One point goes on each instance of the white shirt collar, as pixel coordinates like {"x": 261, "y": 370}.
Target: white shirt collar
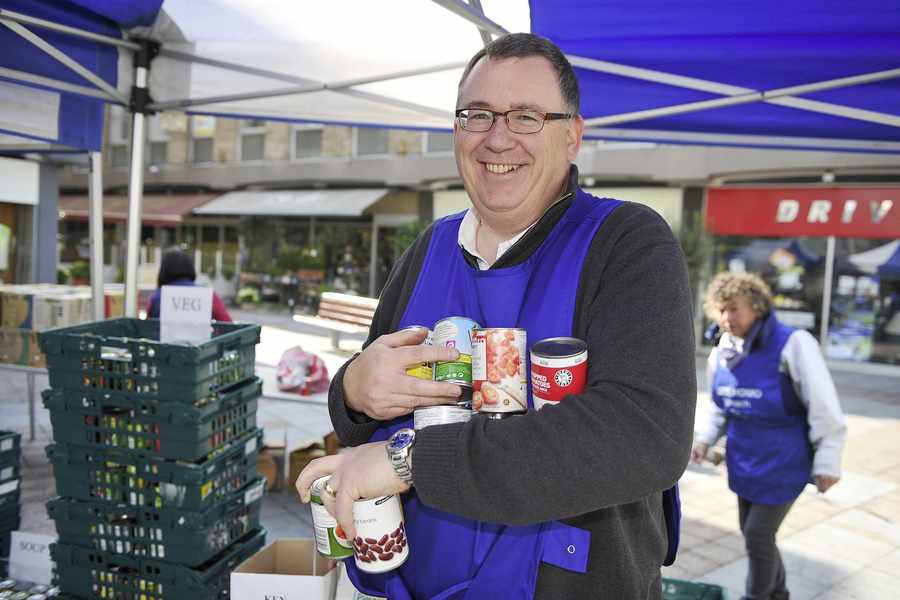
{"x": 468, "y": 231}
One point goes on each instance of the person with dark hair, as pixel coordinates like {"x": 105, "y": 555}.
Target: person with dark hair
{"x": 177, "y": 268}
{"x": 775, "y": 401}
{"x": 575, "y": 500}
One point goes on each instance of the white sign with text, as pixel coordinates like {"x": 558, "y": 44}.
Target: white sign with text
{"x": 185, "y": 313}
{"x": 29, "y": 557}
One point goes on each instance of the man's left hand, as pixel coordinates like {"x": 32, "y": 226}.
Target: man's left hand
{"x": 824, "y": 482}
{"x": 359, "y": 473}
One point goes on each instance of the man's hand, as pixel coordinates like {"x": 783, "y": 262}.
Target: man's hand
{"x": 376, "y": 383}
{"x": 824, "y": 482}
{"x": 698, "y": 452}
{"x": 359, "y": 473}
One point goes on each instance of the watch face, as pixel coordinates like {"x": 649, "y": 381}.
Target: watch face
{"x": 401, "y": 439}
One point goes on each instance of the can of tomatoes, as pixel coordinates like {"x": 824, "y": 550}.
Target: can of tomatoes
{"x": 499, "y": 385}
{"x": 380, "y": 544}
{"x": 456, "y": 332}
{"x": 423, "y": 370}
{"x": 558, "y": 368}
{"x": 331, "y": 541}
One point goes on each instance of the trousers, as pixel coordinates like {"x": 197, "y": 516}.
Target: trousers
{"x": 766, "y": 578}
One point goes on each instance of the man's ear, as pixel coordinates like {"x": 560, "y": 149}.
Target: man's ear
{"x": 573, "y": 136}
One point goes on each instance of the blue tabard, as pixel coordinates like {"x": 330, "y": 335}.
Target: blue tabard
{"x": 452, "y": 557}
{"x": 768, "y": 452}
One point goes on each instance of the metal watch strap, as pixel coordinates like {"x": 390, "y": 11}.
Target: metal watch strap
{"x": 399, "y": 460}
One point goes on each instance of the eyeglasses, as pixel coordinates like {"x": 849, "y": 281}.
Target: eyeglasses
{"x": 518, "y": 121}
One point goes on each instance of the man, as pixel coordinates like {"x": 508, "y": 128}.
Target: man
{"x": 562, "y": 503}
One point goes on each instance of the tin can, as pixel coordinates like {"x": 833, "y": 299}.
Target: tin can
{"x": 38, "y": 596}
{"x": 4, "y": 594}
{"x": 440, "y": 415}
{"x": 39, "y": 588}
{"x": 330, "y": 538}
{"x": 499, "y": 384}
{"x": 455, "y": 332}
{"x": 7, "y": 584}
{"x": 423, "y": 370}
{"x": 19, "y": 596}
{"x": 380, "y": 543}
{"x": 53, "y": 591}
{"x": 558, "y": 368}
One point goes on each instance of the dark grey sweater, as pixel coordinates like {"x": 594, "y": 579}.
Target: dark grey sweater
{"x": 599, "y": 461}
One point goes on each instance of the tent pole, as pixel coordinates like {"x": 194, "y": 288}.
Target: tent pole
{"x": 485, "y": 34}
{"x": 826, "y": 288}
{"x": 470, "y": 14}
{"x": 16, "y": 17}
{"x": 95, "y": 215}
{"x": 139, "y": 101}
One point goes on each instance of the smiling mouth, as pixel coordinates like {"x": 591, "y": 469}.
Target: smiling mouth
{"x": 500, "y": 169}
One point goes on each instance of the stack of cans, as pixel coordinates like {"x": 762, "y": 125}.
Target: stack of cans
{"x": 154, "y": 459}
{"x": 10, "y": 508}
{"x": 12, "y": 589}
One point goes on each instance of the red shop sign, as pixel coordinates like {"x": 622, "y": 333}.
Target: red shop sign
{"x": 820, "y": 211}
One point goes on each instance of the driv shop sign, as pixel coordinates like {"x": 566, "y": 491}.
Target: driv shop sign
{"x": 813, "y": 211}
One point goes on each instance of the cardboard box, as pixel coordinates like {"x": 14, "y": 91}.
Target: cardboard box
{"x": 299, "y": 460}
{"x": 265, "y": 466}
{"x": 332, "y": 444}
{"x": 287, "y": 569}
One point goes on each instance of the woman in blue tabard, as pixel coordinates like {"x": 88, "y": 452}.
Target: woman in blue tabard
{"x": 775, "y": 401}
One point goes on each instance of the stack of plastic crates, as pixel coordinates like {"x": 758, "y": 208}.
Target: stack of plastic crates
{"x": 154, "y": 459}
{"x": 10, "y": 459}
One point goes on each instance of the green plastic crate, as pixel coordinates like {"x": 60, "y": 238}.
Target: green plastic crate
{"x": 677, "y": 589}
{"x": 121, "y": 477}
{"x": 11, "y": 496}
{"x": 10, "y": 445}
{"x": 126, "y": 356}
{"x": 168, "y": 534}
{"x": 167, "y": 429}
{"x": 87, "y": 573}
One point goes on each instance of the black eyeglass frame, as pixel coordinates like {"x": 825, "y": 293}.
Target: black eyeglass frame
{"x": 549, "y": 116}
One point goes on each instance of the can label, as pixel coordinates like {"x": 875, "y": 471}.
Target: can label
{"x": 440, "y": 415}
{"x": 380, "y": 544}
{"x": 498, "y": 371}
{"x": 455, "y": 332}
{"x": 423, "y": 370}
{"x": 331, "y": 541}
{"x": 557, "y": 371}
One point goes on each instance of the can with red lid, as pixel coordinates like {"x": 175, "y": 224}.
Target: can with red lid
{"x": 558, "y": 369}
{"x": 499, "y": 385}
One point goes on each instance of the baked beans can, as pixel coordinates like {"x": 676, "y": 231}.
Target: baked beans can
{"x": 423, "y": 370}
{"x": 499, "y": 384}
{"x": 440, "y": 415}
{"x": 558, "y": 369}
{"x": 380, "y": 544}
{"x": 331, "y": 541}
{"x": 456, "y": 332}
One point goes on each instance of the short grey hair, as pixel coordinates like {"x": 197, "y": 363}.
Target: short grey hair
{"x": 524, "y": 45}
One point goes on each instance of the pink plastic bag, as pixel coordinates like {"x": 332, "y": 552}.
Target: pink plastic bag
{"x": 302, "y": 372}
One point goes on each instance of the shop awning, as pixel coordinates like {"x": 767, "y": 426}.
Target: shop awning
{"x": 157, "y": 209}
{"x": 293, "y": 203}
{"x": 878, "y": 260}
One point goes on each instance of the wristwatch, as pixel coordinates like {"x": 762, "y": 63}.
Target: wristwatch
{"x": 398, "y": 448}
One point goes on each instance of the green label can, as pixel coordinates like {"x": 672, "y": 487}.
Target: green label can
{"x": 455, "y": 332}
{"x": 331, "y": 541}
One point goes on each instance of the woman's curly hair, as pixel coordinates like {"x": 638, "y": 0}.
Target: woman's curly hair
{"x": 727, "y": 287}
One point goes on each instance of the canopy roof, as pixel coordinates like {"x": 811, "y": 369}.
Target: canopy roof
{"x": 156, "y": 209}
{"x": 646, "y": 69}
{"x": 294, "y": 203}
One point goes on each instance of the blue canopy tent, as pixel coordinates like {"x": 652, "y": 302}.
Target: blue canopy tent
{"x": 890, "y": 269}
{"x": 799, "y": 74}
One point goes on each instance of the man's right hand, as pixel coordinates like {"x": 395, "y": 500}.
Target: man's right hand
{"x": 698, "y": 452}
{"x": 376, "y": 383}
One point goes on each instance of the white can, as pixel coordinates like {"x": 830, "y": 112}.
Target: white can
{"x": 440, "y": 415}
{"x": 380, "y": 544}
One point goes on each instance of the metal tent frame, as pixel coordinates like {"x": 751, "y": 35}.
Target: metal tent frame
{"x": 140, "y": 106}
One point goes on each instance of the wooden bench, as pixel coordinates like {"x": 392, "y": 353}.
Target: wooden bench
{"x": 342, "y": 313}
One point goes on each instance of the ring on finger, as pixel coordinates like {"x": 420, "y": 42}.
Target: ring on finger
{"x": 329, "y": 490}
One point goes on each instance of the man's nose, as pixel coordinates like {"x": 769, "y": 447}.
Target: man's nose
{"x": 499, "y": 137}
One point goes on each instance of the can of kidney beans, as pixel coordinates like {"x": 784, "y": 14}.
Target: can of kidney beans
{"x": 423, "y": 370}
{"x": 558, "y": 368}
{"x": 440, "y": 415}
{"x": 330, "y": 538}
{"x": 380, "y": 544}
{"x": 456, "y": 332}
{"x": 499, "y": 385}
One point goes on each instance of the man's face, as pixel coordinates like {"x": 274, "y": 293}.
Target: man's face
{"x": 505, "y": 171}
